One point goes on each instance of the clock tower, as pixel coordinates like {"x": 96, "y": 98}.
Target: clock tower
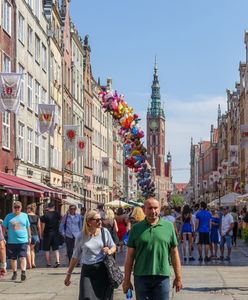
{"x": 155, "y": 121}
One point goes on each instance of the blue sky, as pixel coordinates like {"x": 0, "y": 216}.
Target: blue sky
{"x": 198, "y": 45}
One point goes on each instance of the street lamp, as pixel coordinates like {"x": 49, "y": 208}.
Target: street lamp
{"x": 219, "y": 184}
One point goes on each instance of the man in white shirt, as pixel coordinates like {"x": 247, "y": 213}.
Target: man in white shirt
{"x": 227, "y": 224}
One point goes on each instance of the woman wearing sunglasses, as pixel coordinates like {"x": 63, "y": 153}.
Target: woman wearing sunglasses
{"x": 89, "y": 249}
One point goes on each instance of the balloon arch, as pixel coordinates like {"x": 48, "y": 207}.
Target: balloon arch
{"x": 131, "y": 133}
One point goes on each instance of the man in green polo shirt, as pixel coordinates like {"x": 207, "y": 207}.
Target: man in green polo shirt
{"x": 150, "y": 244}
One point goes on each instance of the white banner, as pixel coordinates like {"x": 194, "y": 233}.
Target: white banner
{"x": 216, "y": 176}
{"x": 81, "y": 145}
{"x": 233, "y": 155}
{"x": 10, "y": 92}
{"x": 105, "y": 163}
{"x": 70, "y": 136}
{"x": 46, "y": 113}
{"x": 204, "y": 184}
{"x": 244, "y": 136}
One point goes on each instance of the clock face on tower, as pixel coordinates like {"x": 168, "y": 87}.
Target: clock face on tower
{"x": 153, "y": 125}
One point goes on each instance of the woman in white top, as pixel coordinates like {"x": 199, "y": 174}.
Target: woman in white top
{"x": 89, "y": 248}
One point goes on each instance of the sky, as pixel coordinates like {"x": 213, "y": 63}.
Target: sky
{"x": 198, "y": 45}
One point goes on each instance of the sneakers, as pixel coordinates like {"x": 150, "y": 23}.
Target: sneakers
{"x": 191, "y": 258}
{"x": 23, "y": 276}
{"x": 56, "y": 265}
{"x": 200, "y": 258}
{"x": 221, "y": 257}
{"x": 185, "y": 259}
{"x": 228, "y": 258}
{"x": 14, "y": 276}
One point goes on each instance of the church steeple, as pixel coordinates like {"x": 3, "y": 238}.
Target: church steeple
{"x": 155, "y": 109}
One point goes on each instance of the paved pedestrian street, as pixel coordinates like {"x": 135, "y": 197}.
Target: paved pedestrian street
{"x": 211, "y": 281}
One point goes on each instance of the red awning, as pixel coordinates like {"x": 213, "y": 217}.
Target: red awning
{"x": 17, "y": 185}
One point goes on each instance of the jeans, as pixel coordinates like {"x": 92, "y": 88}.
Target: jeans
{"x": 70, "y": 242}
{"x": 152, "y": 287}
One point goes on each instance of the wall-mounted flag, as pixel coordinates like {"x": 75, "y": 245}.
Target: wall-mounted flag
{"x": 46, "y": 114}
{"x": 70, "y": 136}
{"x": 10, "y": 92}
{"x": 81, "y": 145}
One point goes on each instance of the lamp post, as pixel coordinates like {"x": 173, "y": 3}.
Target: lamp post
{"x": 219, "y": 184}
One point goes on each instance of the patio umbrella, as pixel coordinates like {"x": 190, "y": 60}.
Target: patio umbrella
{"x": 117, "y": 203}
{"x": 135, "y": 203}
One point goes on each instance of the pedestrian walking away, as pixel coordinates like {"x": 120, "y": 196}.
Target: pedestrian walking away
{"x": 227, "y": 225}
{"x": 51, "y": 239}
{"x": 90, "y": 249}
{"x": 152, "y": 238}
{"x": 203, "y": 218}
{"x": 17, "y": 226}
{"x": 70, "y": 226}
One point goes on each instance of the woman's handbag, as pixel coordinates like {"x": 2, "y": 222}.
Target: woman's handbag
{"x": 114, "y": 272}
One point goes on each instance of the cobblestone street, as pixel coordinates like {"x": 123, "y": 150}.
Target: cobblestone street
{"x": 214, "y": 281}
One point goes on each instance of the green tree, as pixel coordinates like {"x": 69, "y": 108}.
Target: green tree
{"x": 176, "y": 200}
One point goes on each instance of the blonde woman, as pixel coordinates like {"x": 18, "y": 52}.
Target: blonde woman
{"x": 89, "y": 248}
{"x": 35, "y": 227}
{"x": 137, "y": 215}
{"x": 110, "y": 223}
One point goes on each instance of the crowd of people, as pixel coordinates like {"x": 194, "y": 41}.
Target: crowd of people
{"x": 148, "y": 231}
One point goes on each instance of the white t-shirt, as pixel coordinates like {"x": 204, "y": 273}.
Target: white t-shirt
{"x": 170, "y": 219}
{"x": 226, "y": 221}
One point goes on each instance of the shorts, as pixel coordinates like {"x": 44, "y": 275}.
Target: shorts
{"x": 34, "y": 239}
{"x": 51, "y": 240}
{"x": 204, "y": 238}
{"x": 17, "y": 250}
{"x": 226, "y": 239}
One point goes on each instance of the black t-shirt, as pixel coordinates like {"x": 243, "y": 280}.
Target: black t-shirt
{"x": 51, "y": 221}
{"x": 33, "y": 219}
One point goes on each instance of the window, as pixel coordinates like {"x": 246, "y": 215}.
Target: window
{"x": 30, "y": 90}
{"x": 21, "y": 71}
{"x": 21, "y": 34}
{"x": 30, "y": 3}
{"x": 21, "y": 141}
{"x": 43, "y": 95}
{"x": 30, "y": 39}
{"x": 37, "y": 95}
{"x": 29, "y": 144}
{"x": 6, "y": 64}
{"x": 6, "y": 18}
{"x": 37, "y": 149}
{"x": 43, "y": 152}
{"x": 37, "y": 8}
{"x": 43, "y": 57}
{"x": 37, "y": 48}
{"x": 6, "y": 130}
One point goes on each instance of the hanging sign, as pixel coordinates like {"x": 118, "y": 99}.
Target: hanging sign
{"x": 46, "y": 113}
{"x": 81, "y": 145}
{"x": 70, "y": 136}
{"x": 10, "y": 84}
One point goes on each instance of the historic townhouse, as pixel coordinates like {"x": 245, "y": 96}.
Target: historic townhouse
{"x": 100, "y": 148}
{"x": 55, "y": 89}
{"x": 78, "y": 106}
{"x": 88, "y": 129}
{"x": 32, "y": 61}
{"x": 68, "y": 163}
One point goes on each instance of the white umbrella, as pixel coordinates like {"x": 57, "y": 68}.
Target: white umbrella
{"x": 117, "y": 203}
{"x": 228, "y": 199}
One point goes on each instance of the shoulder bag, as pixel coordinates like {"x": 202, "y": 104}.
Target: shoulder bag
{"x": 114, "y": 272}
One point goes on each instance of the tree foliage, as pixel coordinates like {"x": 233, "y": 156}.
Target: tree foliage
{"x": 176, "y": 200}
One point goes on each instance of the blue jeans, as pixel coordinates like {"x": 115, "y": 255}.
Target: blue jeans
{"x": 152, "y": 287}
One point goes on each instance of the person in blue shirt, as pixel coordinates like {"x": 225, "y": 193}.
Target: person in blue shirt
{"x": 70, "y": 227}
{"x": 19, "y": 236}
{"x": 203, "y": 218}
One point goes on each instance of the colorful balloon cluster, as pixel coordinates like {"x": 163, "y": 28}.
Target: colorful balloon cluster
{"x": 131, "y": 134}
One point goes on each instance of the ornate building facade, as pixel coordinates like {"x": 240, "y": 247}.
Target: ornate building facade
{"x": 156, "y": 142}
